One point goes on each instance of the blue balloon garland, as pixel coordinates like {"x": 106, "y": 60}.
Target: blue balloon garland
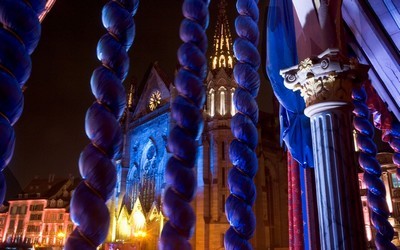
{"x": 372, "y": 171}
{"x": 19, "y": 37}
{"x": 243, "y": 125}
{"x": 88, "y": 209}
{"x": 186, "y": 111}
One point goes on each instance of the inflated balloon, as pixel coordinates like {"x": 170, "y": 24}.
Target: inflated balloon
{"x": 376, "y": 195}
{"x": 387, "y": 123}
{"x": 243, "y": 125}
{"x": 186, "y": 111}
{"x": 19, "y": 36}
{"x": 88, "y": 209}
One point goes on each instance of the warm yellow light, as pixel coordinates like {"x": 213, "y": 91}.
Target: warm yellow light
{"x": 139, "y": 220}
{"x": 140, "y": 234}
{"x": 61, "y": 235}
{"x": 124, "y": 228}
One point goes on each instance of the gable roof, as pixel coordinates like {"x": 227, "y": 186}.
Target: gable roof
{"x": 154, "y": 79}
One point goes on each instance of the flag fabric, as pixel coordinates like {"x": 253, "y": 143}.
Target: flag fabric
{"x": 281, "y": 54}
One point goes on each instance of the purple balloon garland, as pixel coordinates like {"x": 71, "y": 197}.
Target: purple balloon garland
{"x": 88, "y": 209}
{"x": 186, "y": 111}
{"x": 243, "y": 125}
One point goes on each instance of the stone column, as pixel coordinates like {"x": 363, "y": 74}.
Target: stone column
{"x": 325, "y": 83}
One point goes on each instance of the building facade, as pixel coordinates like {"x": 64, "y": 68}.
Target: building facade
{"x": 40, "y": 215}
{"x": 392, "y": 187}
{"x": 136, "y": 207}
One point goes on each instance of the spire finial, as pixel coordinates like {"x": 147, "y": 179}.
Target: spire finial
{"x": 222, "y": 8}
{"x": 222, "y": 56}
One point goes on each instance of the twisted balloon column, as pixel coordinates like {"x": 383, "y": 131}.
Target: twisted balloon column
{"x": 386, "y": 122}
{"x": 88, "y": 209}
{"x": 19, "y": 35}
{"x": 243, "y": 125}
{"x": 186, "y": 111}
{"x": 372, "y": 171}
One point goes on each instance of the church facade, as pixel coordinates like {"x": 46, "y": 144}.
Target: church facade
{"x": 136, "y": 207}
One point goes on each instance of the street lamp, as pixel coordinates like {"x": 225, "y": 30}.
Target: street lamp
{"x": 61, "y": 236}
{"x": 140, "y": 235}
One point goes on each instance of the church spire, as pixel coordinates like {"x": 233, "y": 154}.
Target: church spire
{"x": 222, "y": 55}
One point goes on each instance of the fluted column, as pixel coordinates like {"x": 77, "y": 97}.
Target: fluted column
{"x": 325, "y": 83}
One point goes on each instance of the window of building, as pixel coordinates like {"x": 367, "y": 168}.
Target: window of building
{"x": 35, "y": 217}
{"x": 222, "y": 60}
{"x": 212, "y": 103}
{"x": 20, "y": 225}
{"x": 222, "y": 109}
{"x": 61, "y": 216}
{"x": 214, "y": 64}
{"x": 233, "y": 110}
{"x": 70, "y": 227}
{"x": 13, "y": 210}
{"x": 60, "y": 203}
{"x": 33, "y": 229}
{"x": 230, "y": 61}
{"x": 52, "y": 203}
{"x": 36, "y": 207}
{"x": 395, "y": 181}
{"x": 12, "y": 224}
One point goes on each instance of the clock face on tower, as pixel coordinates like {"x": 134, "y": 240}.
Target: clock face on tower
{"x": 154, "y": 100}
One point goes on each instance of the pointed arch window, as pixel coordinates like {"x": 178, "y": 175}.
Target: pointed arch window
{"x": 230, "y": 62}
{"x": 214, "y": 64}
{"x": 233, "y": 109}
{"x": 133, "y": 183}
{"x": 222, "y": 101}
{"x": 211, "y": 105}
{"x": 222, "y": 61}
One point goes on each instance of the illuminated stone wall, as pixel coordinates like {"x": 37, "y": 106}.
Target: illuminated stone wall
{"x": 148, "y": 157}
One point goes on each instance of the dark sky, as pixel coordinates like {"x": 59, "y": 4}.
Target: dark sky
{"x": 50, "y": 133}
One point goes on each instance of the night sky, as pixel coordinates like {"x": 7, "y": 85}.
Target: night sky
{"x": 50, "y": 133}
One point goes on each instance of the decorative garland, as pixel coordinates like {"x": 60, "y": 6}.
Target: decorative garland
{"x": 243, "y": 125}
{"x": 372, "y": 171}
{"x": 19, "y": 37}
{"x": 88, "y": 209}
{"x": 186, "y": 111}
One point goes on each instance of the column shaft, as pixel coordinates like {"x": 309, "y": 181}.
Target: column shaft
{"x": 339, "y": 206}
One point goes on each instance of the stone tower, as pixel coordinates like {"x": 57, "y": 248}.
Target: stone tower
{"x": 214, "y": 163}
{"x": 211, "y": 222}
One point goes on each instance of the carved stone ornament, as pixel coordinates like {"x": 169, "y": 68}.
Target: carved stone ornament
{"x": 327, "y": 77}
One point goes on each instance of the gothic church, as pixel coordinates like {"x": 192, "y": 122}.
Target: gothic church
{"x": 136, "y": 206}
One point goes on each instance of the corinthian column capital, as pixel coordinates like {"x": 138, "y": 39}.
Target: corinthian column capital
{"x": 328, "y": 77}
